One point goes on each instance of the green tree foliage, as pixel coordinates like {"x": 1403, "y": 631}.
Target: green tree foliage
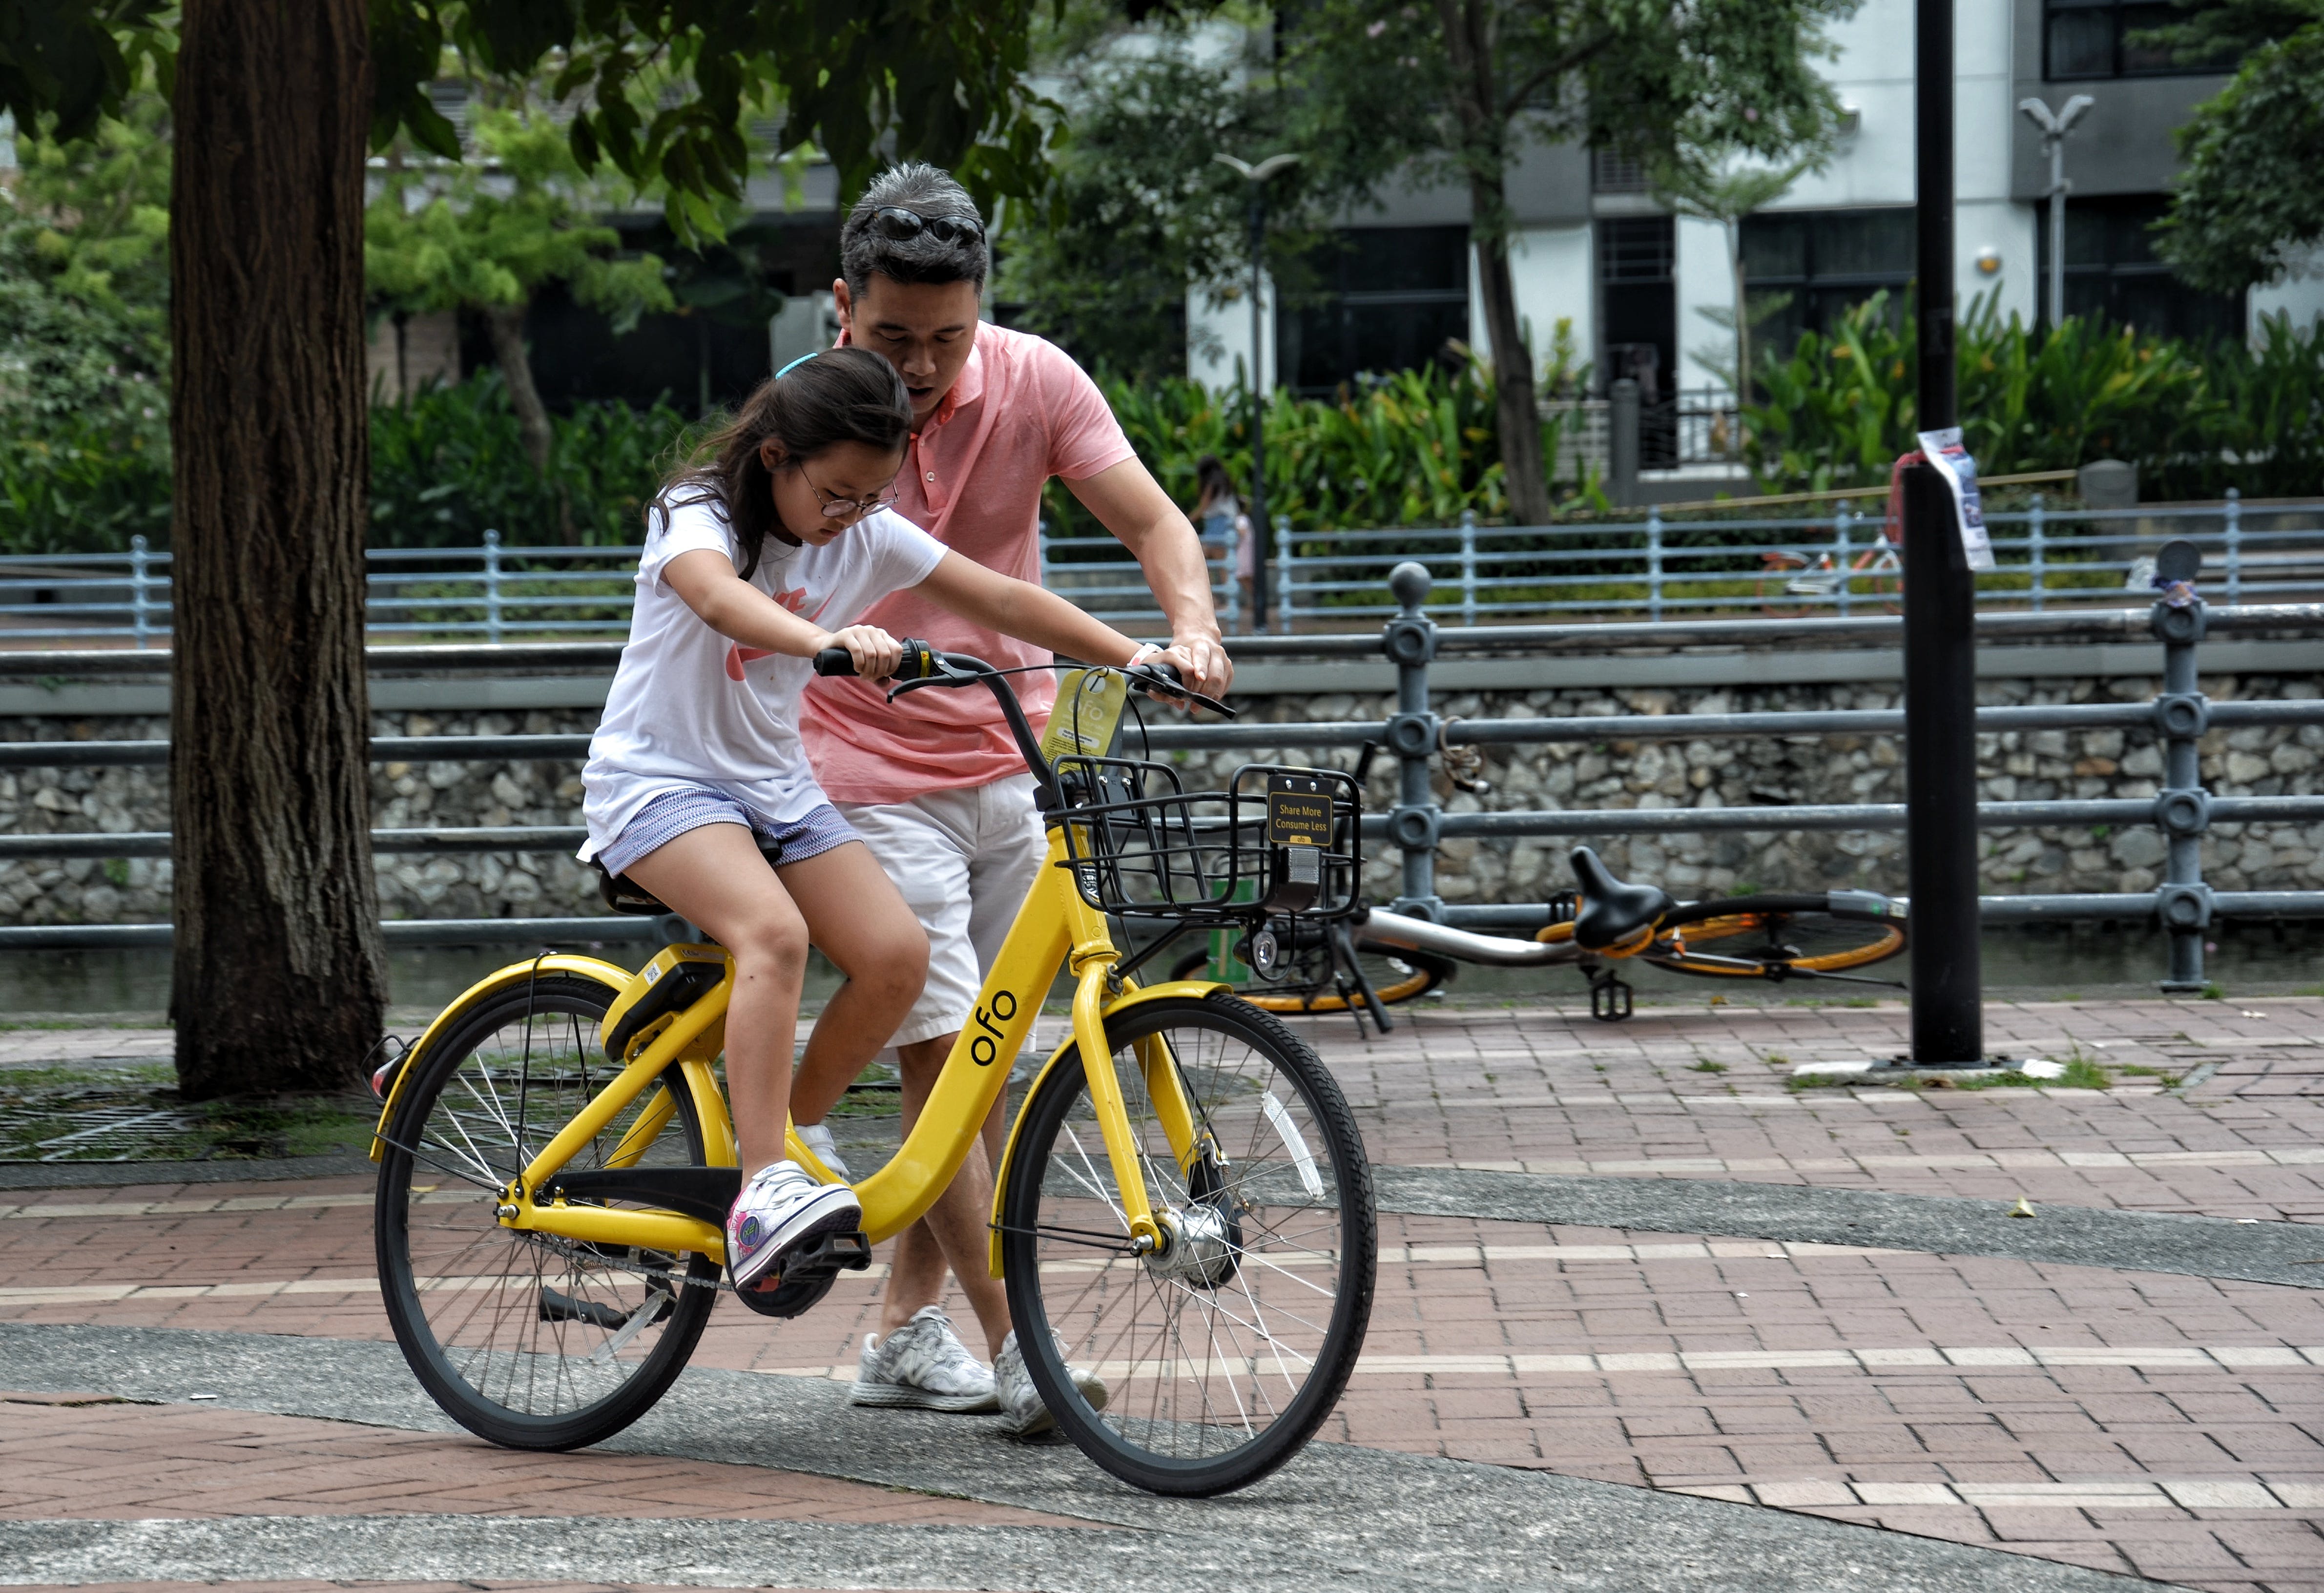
{"x": 1136, "y": 211}
{"x": 448, "y": 464}
{"x": 2249, "y": 208}
{"x": 1841, "y": 408}
{"x": 1710, "y": 188}
{"x": 83, "y": 343}
{"x": 487, "y": 231}
{"x": 1459, "y": 89}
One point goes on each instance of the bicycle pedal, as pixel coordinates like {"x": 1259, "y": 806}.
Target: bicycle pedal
{"x": 1610, "y": 1000}
{"x": 849, "y": 1251}
{"x": 808, "y": 1273}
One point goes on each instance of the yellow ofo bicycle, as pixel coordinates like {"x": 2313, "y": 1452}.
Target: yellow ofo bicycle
{"x": 1184, "y": 1205}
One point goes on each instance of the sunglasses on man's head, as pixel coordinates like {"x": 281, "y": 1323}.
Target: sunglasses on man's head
{"x": 893, "y": 221}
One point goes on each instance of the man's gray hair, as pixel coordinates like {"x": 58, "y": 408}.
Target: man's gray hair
{"x": 927, "y": 191}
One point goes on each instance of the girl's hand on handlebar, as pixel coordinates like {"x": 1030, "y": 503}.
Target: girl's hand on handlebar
{"x": 877, "y": 654}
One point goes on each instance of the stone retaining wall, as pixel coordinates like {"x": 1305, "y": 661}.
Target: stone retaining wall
{"x": 2022, "y": 766}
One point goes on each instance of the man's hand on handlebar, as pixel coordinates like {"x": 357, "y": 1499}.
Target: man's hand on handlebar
{"x": 875, "y": 654}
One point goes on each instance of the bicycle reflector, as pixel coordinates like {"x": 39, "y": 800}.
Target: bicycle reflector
{"x": 394, "y": 1053}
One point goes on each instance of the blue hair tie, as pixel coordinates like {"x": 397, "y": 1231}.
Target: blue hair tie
{"x": 796, "y": 364}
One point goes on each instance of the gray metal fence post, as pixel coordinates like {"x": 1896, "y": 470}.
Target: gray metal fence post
{"x": 138, "y": 558}
{"x": 2036, "y": 519}
{"x": 1416, "y": 822}
{"x": 1468, "y": 566}
{"x": 493, "y": 585}
{"x": 2233, "y": 528}
{"x": 1622, "y": 443}
{"x": 1839, "y": 551}
{"x": 1654, "y": 561}
{"x": 1283, "y": 569}
{"x": 2182, "y": 809}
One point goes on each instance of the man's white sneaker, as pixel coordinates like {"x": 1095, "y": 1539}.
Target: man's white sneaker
{"x": 1022, "y": 1410}
{"x": 923, "y": 1366}
{"x": 817, "y": 1138}
{"x": 781, "y": 1208}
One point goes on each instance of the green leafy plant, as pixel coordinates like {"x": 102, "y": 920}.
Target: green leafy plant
{"x": 1839, "y": 408}
{"x": 448, "y": 463}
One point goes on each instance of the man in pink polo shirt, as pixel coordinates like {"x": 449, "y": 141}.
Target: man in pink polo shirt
{"x": 933, "y": 781}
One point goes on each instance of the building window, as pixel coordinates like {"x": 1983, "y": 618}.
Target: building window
{"x": 1804, "y": 268}
{"x": 2085, "y": 39}
{"x": 1613, "y": 172}
{"x": 1378, "y": 299}
{"x": 2112, "y": 273}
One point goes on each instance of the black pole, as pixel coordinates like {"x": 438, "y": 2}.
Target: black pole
{"x": 1940, "y": 611}
{"x": 1262, "y": 544}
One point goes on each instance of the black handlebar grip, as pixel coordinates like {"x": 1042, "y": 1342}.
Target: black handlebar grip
{"x": 835, "y": 661}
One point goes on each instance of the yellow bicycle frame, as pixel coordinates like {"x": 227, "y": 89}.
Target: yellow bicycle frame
{"x": 1055, "y": 928}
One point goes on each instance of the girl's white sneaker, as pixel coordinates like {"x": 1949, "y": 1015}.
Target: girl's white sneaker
{"x": 781, "y": 1208}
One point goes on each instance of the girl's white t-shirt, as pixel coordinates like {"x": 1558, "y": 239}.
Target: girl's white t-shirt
{"x": 691, "y": 708}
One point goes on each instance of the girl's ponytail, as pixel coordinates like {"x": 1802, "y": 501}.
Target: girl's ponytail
{"x": 839, "y": 395}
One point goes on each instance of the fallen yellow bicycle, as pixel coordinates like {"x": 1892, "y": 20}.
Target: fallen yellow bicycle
{"x": 1184, "y": 1205}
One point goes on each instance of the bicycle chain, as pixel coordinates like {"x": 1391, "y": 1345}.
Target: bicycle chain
{"x": 571, "y": 1250}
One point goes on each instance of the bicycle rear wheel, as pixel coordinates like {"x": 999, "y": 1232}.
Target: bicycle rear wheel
{"x": 1225, "y": 1352}
{"x": 1396, "y": 976}
{"x": 1773, "y": 937}
{"x": 526, "y": 1339}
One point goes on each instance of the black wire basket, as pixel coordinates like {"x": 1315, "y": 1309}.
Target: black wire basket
{"x": 1278, "y": 842}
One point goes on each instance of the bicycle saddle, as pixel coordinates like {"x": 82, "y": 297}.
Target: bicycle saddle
{"x": 622, "y": 895}
{"x": 1610, "y": 910}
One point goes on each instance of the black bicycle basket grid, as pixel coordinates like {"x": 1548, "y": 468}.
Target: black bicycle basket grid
{"x": 1278, "y": 841}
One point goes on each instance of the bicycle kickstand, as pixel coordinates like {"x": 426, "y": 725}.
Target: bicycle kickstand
{"x": 1344, "y": 953}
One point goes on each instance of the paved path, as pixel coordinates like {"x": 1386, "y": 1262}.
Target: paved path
{"x": 1618, "y": 1275}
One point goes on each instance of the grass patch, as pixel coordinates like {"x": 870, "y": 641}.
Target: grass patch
{"x": 1707, "y": 1066}
{"x": 134, "y": 1114}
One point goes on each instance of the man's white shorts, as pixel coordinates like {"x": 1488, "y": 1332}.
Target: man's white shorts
{"x": 964, "y": 861}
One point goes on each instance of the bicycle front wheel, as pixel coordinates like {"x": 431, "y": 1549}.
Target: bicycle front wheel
{"x": 1773, "y": 937}
{"x": 1225, "y": 1351}
{"x": 526, "y": 1339}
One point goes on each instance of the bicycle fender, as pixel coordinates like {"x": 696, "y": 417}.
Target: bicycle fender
{"x": 610, "y": 975}
{"x": 1197, "y": 987}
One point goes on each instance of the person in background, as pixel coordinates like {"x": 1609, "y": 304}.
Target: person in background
{"x": 1224, "y": 528}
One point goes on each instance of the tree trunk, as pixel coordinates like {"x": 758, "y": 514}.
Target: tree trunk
{"x": 1519, "y": 417}
{"x": 507, "y": 324}
{"x": 279, "y": 979}
{"x": 1482, "y": 131}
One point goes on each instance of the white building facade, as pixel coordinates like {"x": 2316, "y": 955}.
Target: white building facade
{"x": 1632, "y": 282}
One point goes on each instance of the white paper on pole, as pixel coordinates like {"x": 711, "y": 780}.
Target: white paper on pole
{"x": 1944, "y": 450}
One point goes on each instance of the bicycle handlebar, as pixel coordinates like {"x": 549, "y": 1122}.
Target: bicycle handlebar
{"x": 923, "y": 666}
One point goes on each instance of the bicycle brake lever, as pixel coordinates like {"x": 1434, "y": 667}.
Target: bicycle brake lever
{"x": 1154, "y": 683}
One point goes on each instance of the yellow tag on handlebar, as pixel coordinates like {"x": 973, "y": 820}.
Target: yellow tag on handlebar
{"x": 1087, "y": 716}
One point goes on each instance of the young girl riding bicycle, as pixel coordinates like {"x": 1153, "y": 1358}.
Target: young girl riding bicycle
{"x": 697, "y": 789}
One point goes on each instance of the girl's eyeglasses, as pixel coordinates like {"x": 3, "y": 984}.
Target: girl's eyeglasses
{"x": 838, "y": 508}
{"x": 893, "y": 221}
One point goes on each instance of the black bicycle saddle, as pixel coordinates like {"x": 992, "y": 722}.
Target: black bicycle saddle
{"x": 1611, "y": 910}
{"x": 620, "y": 894}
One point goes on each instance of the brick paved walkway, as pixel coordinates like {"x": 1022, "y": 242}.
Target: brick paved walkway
{"x": 2129, "y": 1420}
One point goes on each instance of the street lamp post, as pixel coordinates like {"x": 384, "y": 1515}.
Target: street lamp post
{"x": 2054, "y": 127}
{"x": 1261, "y": 536}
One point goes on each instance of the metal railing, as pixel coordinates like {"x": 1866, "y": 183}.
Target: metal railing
{"x": 2183, "y": 811}
{"x": 1656, "y": 568}
{"x": 2179, "y": 715}
{"x": 1841, "y": 562}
